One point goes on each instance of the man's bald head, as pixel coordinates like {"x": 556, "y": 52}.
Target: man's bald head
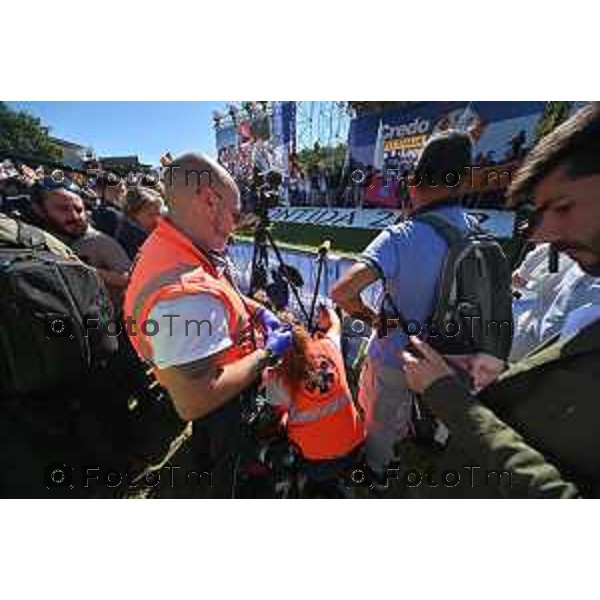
{"x": 203, "y": 200}
{"x": 190, "y": 174}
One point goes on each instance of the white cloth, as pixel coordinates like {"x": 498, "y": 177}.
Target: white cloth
{"x": 196, "y": 328}
{"x": 532, "y": 262}
{"x": 543, "y": 287}
{"x": 579, "y": 319}
{"x": 576, "y": 289}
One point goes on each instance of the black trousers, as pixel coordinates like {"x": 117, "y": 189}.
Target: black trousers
{"x": 216, "y": 447}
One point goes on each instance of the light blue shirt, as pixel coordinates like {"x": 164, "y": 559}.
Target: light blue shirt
{"x": 410, "y": 255}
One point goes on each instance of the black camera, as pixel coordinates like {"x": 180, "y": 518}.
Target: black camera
{"x": 266, "y": 185}
{"x": 58, "y": 326}
{"x": 58, "y": 475}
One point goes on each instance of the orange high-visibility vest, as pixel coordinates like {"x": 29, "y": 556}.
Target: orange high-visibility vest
{"x": 322, "y": 419}
{"x": 169, "y": 266}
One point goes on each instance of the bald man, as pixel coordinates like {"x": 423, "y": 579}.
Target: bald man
{"x": 208, "y": 343}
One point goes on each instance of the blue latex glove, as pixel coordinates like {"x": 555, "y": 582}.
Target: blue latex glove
{"x": 268, "y": 320}
{"x": 279, "y": 340}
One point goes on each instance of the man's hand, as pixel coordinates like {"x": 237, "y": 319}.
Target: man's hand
{"x": 424, "y": 370}
{"x": 268, "y": 320}
{"x": 481, "y": 368}
{"x": 518, "y": 281}
{"x": 279, "y": 340}
{"x": 484, "y": 369}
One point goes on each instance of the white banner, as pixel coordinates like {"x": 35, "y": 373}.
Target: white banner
{"x": 500, "y": 223}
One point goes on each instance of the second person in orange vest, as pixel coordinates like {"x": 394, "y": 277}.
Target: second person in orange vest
{"x": 208, "y": 342}
{"x": 322, "y": 421}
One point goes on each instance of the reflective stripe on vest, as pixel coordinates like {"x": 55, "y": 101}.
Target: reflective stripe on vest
{"x": 169, "y": 267}
{"x": 315, "y": 414}
{"x": 169, "y": 277}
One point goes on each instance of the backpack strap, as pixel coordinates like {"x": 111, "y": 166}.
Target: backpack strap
{"x": 451, "y": 234}
{"x": 14, "y": 232}
{"x": 30, "y": 237}
{"x": 387, "y": 298}
{"x": 454, "y": 238}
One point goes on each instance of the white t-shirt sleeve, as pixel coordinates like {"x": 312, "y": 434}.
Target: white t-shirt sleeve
{"x": 188, "y": 329}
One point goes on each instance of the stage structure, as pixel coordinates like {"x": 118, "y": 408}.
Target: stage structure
{"x": 323, "y": 123}
{"x": 255, "y": 135}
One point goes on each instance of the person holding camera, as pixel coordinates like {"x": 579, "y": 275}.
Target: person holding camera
{"x": 207, "y": 342}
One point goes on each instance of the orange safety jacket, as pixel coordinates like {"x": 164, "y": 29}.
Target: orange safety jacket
{"x": 322, "y": 419}
{"x": 170, "y": 266}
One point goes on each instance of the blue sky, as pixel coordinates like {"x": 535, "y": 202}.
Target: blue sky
{"x": 147, "y": 129}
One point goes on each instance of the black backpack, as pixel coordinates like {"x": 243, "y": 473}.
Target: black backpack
{"x": 54, "y": 310}
{"x": 473, "y": 310}
{"x": 473, "y": 306}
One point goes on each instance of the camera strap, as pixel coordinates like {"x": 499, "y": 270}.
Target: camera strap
{"x": 383, "y": 314}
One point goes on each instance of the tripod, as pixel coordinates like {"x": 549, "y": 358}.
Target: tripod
{"x": 263, "y": 239}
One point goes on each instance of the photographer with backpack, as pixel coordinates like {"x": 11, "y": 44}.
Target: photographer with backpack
{"x": 433, "y": 265}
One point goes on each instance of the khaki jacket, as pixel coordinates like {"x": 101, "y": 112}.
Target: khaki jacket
{"x": 534, "y": 433}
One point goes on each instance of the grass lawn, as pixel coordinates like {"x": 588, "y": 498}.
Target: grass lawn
{"x": 344, "y": 240}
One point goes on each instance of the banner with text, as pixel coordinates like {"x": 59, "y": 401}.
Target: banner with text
{"x": 499, "y": 223}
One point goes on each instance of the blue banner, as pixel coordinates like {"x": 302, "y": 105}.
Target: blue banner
{"x": 499, "y": 130}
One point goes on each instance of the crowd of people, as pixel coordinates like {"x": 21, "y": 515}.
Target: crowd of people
{"x": 521, "y": 406}
{"x": 366, "y": 186}
{"x": 104, "y": 222}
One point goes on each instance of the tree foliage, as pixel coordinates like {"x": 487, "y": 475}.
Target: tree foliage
{"x": 554, "y": 114}
{"x": 23, "y": 136}
{"x": 320, "y": 158}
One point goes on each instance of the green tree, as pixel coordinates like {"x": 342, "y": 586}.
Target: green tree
{"x": 320, "y": 158}
{"x": 554, "y": 114}
{"x": 24, "y": 137}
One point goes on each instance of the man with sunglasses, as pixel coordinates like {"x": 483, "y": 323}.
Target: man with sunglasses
{"x": 207, "y": 342}
{"x": 535, "y": 431}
